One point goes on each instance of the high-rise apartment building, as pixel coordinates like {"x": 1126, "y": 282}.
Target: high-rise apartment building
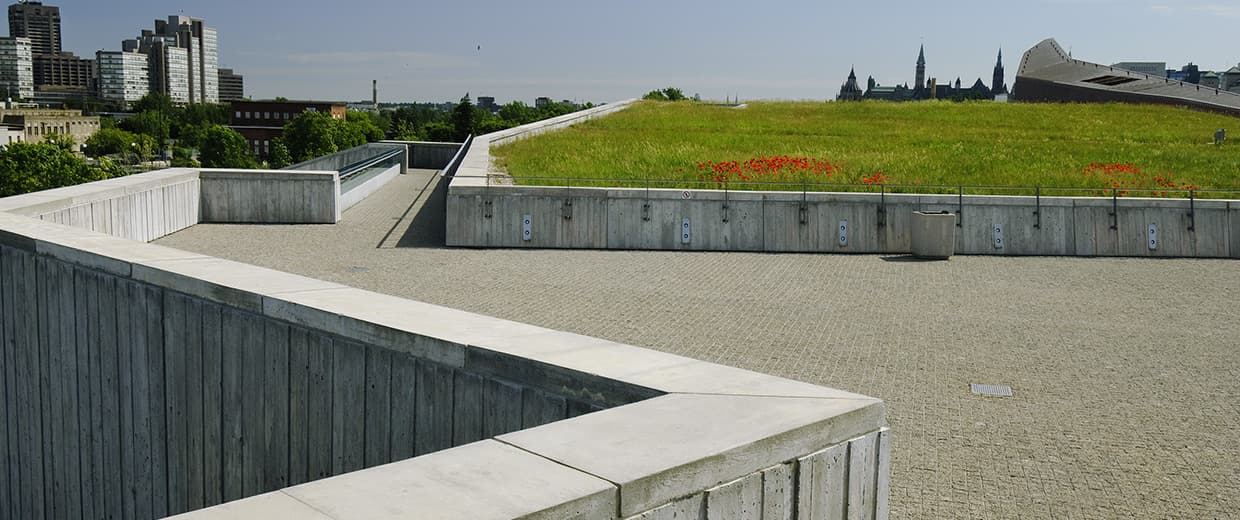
{"x": 232, "y": 86}
{"x": 16, "y": 68}
{"x": 184, "y": 59}
{"x": 63, "y": 70}
{"x": 123, "y": 76}
{"x": 40, "y": 23}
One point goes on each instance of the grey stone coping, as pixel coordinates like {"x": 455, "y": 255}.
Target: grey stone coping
{"x": 279, "y": 175}
{"x": 33, "y": 204}
{"x": 483, "y": 480}
{"x": 718, "y": 195}
{"x": 691, "y": 424}
{"x": 671, "y": 446}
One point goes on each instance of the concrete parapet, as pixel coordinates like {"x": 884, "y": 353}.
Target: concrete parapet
{"x": 482, "y": 214}
{"x": 214, "y": 381}
{"x": 270, "y": 196}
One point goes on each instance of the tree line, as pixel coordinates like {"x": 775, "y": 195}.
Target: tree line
{"x": 28, "y": 167}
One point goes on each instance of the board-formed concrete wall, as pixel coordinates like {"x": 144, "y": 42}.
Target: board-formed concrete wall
{"x": 189, "y": 381}
{"x": 616, "y": 218}
{"x": 140, "y": 207}
{"x": 270, "y": 196}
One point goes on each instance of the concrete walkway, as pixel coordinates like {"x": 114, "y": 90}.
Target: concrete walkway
{"x": 1123, "y": 371}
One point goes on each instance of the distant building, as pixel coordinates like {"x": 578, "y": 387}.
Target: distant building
{"x": 487, "y": 103}
{"x": 542, "y": 102}
{"x": 232, "y": 86}
{"x": 123, "y": 76}
{"x": 10, "y": 135}
{"x": 997, "y": 84}
{"x": 919, "y": 84}
{"x": 37, "y": 124}
{"x": 929, "y": 89}
{"x": 1189, "y": 74}
{"x": 1230, "y": 79}
{"x": 64, "y": 70}
{"x": 1209, "y": 79}
{"x": 37, "y": 22}
{"x": 183, "y": 55}
{"x": 1153, "y": 68}
{"x": 1048, "y": 74}
{"x": 850, "y": 91}
{"x": 261, "y": 122}
{"x": 16, "y": 68}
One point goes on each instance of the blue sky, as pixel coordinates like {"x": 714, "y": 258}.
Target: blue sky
{"x": 606, "y": 51}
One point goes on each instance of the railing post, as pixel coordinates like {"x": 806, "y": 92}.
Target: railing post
{"x": 960, "y": 206}
{"x": 646, "y": 202}
{"x": 1037, "y": 211}
{"x": 1192, "y": 212}
{"x": 882, "y": 205}
{"x": 1115, "y": 207}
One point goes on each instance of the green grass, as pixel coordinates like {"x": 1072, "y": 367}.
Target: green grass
{"x": 930, "y": 143}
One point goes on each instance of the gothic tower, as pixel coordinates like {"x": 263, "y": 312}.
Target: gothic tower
{"x": 920, "y": 82}
{"x": 997, "y": 86}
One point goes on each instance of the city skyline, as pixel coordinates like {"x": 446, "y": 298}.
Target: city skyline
{"x": 438, "y": 51}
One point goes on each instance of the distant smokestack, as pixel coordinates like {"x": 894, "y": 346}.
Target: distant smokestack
{"x": 374, "y": 84}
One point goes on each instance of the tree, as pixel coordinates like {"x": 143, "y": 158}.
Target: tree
{"x": 463, "y": 119}
{"x": 62, "y": 141}
{"x": 439, "y": 132}
{"x": 108, "y": 141}
{"x": 364, "y": 123}
{"x": 405, "y": 131}
{"x": 667, "y": 94}
{"x": 183, "y": 158}
{"x": 280, "y": 157}
{"x": 310, "y": 135}
{"x": 157, "y": 124}
{"x": 223, "y": 147}
{"x": 154, "y": 102}
{"x": 518, "y": 113}
{"x": 29, "y": 167}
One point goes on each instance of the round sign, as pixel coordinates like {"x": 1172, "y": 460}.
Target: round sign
{"x": 686, "y": 195}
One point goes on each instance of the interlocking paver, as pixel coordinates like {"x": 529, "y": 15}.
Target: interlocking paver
{"x": 1124, "y": 371}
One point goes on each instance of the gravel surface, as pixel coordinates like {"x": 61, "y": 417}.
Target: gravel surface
{"x": 1124, "y": 372}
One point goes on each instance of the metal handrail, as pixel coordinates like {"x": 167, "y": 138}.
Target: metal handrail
{"x": 955, "y": 189}
{"x": 355, "y": 168}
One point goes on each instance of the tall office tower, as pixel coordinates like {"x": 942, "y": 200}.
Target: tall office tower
{"x": 40, "y": 23}
{"x": 16, "y": 68}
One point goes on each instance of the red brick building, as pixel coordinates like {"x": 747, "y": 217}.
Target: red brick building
{"x": 260, "y": 122}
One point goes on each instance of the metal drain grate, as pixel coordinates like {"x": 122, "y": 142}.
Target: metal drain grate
{"x": 991, "y": 390}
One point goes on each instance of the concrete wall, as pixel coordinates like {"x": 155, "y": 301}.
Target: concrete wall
{"x": 190, "y": 381}
{"x": 366, "y": 189}
{"x": 428, "y": 155}
{"x": 270, "y": 196}
{"x": 189, "y": 384}
{"x": 140, "y": 207}
{"x": 493, "y": 216}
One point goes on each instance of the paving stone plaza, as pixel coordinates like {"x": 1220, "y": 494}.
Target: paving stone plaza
{"x": 1123, "y": 371}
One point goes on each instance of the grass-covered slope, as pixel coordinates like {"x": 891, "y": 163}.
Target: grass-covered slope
{"x": 929, "y": 143}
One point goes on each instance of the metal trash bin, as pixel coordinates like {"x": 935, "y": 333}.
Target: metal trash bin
{"x": 933, "y": 234}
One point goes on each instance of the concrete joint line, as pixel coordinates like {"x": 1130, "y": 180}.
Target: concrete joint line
{"x": 615, "y": 485}
{"x": 777, "y": 396}
{"x": 304, "y": 503}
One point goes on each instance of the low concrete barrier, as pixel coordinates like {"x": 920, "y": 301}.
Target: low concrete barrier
{"x": 138, "y": 381}
{"x": 139, "y": 207}
{"x": 270, "y": 196}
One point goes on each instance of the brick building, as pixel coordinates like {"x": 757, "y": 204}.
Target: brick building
{"x": 261, "y": 122}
